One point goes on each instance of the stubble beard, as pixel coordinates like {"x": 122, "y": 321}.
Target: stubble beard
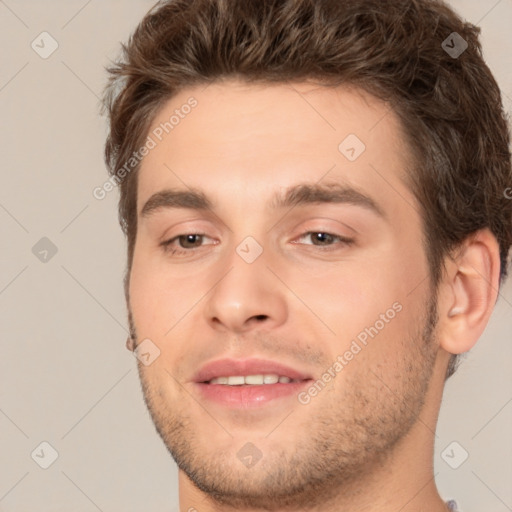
{"x": 338, "y": 452}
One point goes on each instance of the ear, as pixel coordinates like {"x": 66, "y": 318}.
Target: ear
{"x": 130, "y": 344}
{"x": 468, "y": 292}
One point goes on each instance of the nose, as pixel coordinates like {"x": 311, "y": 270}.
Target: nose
{"x": 247, "y": 297}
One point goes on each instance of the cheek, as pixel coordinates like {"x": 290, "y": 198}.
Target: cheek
{"x": 347, "y": 295}
{"x": 367, "y": 299}
{"x": 155, "y": 301}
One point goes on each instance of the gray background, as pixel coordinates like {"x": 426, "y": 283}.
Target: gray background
{"x": 65, "y": 375}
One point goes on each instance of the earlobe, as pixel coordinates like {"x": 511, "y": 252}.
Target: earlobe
{"x": 130, "y": 344}
{"x": 471, "y": 287}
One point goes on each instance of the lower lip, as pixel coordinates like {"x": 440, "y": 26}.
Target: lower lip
{"x": 249, "y": 396}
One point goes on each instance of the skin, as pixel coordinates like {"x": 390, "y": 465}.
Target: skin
{"x": 365, "y": 442}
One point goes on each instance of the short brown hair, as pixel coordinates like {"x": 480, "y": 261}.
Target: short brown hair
{"x": 449, "y": 105}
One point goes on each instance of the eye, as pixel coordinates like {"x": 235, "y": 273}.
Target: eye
{"x": 324, "y": 239}
{"x": 186, "y": 243}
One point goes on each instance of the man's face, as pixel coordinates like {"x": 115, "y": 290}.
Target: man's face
{"x": 298, "y": 280}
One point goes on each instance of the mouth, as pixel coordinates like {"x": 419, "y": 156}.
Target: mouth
{"x": 248, "y": 383}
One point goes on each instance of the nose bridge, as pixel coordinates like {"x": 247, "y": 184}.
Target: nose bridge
{"x": 248, "y": 293}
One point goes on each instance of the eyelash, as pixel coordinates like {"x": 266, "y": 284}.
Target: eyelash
{"x": 167, "y": 245}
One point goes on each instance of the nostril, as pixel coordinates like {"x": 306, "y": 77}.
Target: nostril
{"x": 261, "y": 317}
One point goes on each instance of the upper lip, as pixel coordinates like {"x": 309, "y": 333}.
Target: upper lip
{"x": 244, "y": 367}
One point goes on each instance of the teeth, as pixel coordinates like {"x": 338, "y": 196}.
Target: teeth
{"x": 235, "y": 381}
{"x": 255, "y": 380}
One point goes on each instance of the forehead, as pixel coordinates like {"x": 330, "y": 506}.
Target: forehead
{"x": 231, "y": 136}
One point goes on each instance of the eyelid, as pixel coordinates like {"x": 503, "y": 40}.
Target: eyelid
{"x": 323, "y": 224}
{"x": 194, "y": 226}
{"x": 342, "y": 239}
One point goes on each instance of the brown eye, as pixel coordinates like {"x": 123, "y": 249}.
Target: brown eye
{"x": 186, "y": 244}
{"x": 324, "y": 239}
{"x": 190, "y": 241}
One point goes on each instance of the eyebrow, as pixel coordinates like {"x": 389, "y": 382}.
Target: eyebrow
{"x": 299, "y": 195}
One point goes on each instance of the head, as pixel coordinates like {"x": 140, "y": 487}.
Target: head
{"x": 264, "y": 96}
